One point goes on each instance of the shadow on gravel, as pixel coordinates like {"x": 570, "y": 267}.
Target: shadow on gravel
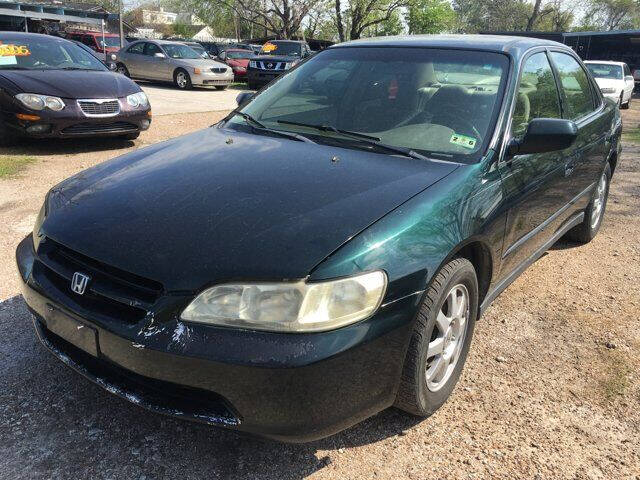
{"x": 54, "y": 423}
{"x": 54, "y": 146}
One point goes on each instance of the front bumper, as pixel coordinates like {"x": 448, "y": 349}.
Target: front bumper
{"x": 71, "y": 122}
{"x": 291, "y": 387}
{"x": 262, "y": 77}
{"x": 207, "y": 78}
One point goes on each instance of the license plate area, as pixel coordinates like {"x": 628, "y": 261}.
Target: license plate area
{"x": 73, "y": 331}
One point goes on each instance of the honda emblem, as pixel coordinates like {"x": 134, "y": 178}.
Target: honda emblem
{"x": 79, "y": 282}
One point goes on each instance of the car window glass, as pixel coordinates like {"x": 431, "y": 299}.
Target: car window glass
{"x": 137, "y": 48}
{"x": 46, "y": 53}
{"x": 575, "y": 85}
{"x": 537, "y": 95}
{"x": 627, "y": 72}
{"x": 151, "y": 49}
{"x": 605, "y": 70}
{"x": 430, "y": 100}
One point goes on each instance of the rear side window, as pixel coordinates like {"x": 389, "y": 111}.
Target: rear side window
{"x": 137, "y": 48}
{"x": 627, "y": 72}
{"x": 575, "y": 86}
{"x": 537, "y": 95}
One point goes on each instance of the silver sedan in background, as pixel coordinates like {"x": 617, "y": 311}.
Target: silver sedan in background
{"x": 172, "y": 62}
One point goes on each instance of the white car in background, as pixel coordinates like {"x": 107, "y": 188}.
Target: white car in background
{"x": 614, "y": 79}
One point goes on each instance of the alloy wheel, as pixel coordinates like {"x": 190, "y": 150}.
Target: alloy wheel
{"x": 598, "y": 201}
{"x": 181, "y": 79}
{"x": 447, "y": 338}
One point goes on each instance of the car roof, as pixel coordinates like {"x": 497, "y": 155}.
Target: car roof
{"x": 495, "y": 43}
{"x": 238, "y": 50}
{"x": 285, "y": 41}
{"x": 605, "y": 62}
{"x": 25, "y": 36}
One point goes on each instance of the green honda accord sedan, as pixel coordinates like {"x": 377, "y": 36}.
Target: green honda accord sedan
{"x": 324, "y": 251}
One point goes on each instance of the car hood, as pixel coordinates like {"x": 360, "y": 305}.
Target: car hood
{"x": 238, "y": 62}
{"x": 199, "y": 62}
{"x": 610, "y": 83}
{"x": 219, "y": 205}
{"x": 68, "y": 83}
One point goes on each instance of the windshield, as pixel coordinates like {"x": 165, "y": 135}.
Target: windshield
{"x": 436, "y": 102}
{"x": 109, "y": 41}
{"x": 603, "y": 70}
{"x": 239, "y": 55}
{"x": 45, "y": 54}
{"x": 281, "y": 48}
{"x": 178, "y": 50}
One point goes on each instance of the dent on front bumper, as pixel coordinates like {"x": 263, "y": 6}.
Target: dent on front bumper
{"x": 291, "y": 387}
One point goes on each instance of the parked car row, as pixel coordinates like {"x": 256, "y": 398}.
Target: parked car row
{"x": 614, "y": 79}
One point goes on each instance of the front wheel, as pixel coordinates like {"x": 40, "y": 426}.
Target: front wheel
{"x": 182, "y": 80}
{"x": 122, "y": 69}
{"x": 594, "y": 214}
{"x": 441, "y": 338}
{"x": 628, "y": 104}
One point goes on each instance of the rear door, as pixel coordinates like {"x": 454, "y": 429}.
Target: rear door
{"x": 133, "y": 59}
{"x": 582, "y": 103}
{"x": 531, "y": 182}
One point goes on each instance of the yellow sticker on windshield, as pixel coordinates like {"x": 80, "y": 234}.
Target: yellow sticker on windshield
{"x": 269, "y": 47}
{"x": 463, "y": 140}
{"x": 10, "y": 50}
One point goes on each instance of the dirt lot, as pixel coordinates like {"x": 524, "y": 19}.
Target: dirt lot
{"x": 551, "y": 388}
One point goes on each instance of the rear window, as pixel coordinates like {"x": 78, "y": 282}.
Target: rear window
{"x": 603, "y": 70}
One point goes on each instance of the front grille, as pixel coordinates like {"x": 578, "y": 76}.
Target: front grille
{"x": 89, "y": 128}
{"x": 271, "y": 65}
{"x": 99, "y": 108}
{"x": 218, "y": 69}
{"x": 112, "y": 293}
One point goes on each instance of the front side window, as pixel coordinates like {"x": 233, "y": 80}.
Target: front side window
{"x": 575, "y": 86}
{"x": 537, "y": 95}
{"x": 604, "y": 70}
{"x": 152, "y": 49}
{"x": 436, "y": 102}
{"x": 45, "y": 54}
{"x": 180, "y": 51}
{"x": 137, "y": 48}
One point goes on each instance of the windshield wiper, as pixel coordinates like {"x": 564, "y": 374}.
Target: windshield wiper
{"x": 361, "y": 137}
{"x": 330, "y": 128}
{"x": 260, "y": 126}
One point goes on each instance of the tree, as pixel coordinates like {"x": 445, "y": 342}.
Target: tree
{"x": 430, "y": 16}
{"x": 613, "y": 14}
{"x": 491, "y": 15}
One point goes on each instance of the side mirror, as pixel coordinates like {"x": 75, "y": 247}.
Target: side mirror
{"x": 159, "y": 55}
{"x": 243, "y": 98}
{"x": 629, "y": 78}
{"x": 544, "y": 135}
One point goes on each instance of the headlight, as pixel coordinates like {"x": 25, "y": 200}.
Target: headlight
{"x": 138, "y": 100}
{"x": 40, "y": 102}
{"x": 608, "y": 90}
{"x": 253, "y": 64}
{"x": 289, "y": 65}
{"x": 290, "y": 307}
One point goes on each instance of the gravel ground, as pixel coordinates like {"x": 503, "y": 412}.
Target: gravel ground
{"x": 551, "y": 389}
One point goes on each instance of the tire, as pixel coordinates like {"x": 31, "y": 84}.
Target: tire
{"x": 588, "y": 229}
{"x": 627, "y": 105}
{"x": 122, "y": 69}
{"x": 6, "y": 139}
{"x": 422, "y": 394}
{"x": 182, "y": 80}
{"x": 131, "y": 136}
{"x": 221, "y": 87}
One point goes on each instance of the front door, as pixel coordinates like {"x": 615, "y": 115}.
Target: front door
{"x": 532, "y": 183}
